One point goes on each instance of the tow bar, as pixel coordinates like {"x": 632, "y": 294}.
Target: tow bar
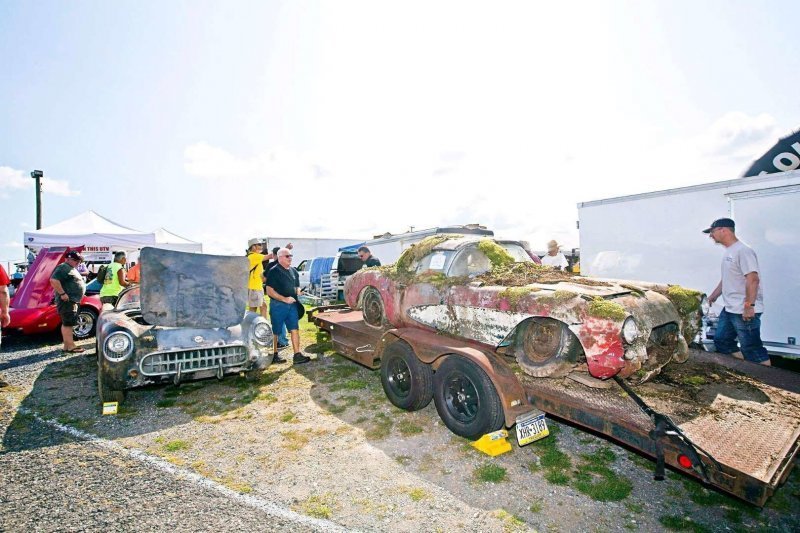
{"x": 666, "y": 428}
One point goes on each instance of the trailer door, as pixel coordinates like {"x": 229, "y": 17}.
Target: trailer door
{"x": 769, "y": 221}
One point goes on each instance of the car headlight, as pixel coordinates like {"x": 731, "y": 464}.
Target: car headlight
{"x": 262, "y": 333}
{"x": 630, "y": 331}
{"x": 705, "y": 307}
{"x": 118, "y": 346}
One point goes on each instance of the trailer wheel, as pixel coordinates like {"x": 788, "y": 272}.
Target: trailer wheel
{"x": 107, "y": 394}
{"x": 466, "y": 399}
{"x": 407, "y": 381}
{"x": 546, "y": 348}
{"x": 372, "y": 307}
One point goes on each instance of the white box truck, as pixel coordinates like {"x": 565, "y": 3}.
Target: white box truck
{"x": 658, "y": 237}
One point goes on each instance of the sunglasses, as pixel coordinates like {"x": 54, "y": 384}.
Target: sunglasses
{"x": 288, "y": 255}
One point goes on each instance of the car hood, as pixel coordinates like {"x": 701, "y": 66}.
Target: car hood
{"x": 180, "y": 289}
{"x": 609, "y": 288}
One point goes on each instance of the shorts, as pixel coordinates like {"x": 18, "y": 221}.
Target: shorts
{"x": 108, "y": 300}
{"x": 254, "y": 298}
{"x": 281, "y": 313}
{"x": 68, "y": 311}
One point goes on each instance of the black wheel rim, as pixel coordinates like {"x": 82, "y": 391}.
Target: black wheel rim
{"x": 461, "y": 397}
{"x": 399, "y": 377}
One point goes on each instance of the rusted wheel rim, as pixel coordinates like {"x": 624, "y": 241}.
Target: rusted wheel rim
{"x": 373, "y": 309}
{"x": 542, "y": 341}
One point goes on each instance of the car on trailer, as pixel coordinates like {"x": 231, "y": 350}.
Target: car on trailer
{"x": 185, "y": 321}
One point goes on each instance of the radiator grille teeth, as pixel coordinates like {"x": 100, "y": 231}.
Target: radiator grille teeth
{"x": 166, "y": 363}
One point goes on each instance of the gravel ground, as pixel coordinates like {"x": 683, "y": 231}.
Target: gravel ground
{"x": 320, "y": 440}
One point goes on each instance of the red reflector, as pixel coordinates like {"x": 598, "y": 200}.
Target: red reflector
{"x": 684, "y": 461}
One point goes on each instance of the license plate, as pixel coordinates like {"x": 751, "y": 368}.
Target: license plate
{"x": 531, "y": 427}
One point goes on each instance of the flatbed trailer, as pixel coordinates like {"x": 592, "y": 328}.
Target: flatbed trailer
{"x": 729, "y": 423}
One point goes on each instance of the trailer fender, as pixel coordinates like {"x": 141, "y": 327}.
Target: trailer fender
{"x": 433, "y": 349}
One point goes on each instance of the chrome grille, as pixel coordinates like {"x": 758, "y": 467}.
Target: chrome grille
{"x": 192, "y": 360}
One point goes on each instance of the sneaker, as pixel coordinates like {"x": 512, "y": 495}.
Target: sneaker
{"x": 299, "y": 359}
{"x": 277, "y": 359}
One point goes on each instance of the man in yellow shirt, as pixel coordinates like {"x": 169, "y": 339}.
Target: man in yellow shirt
{"x": 255, "y": 290}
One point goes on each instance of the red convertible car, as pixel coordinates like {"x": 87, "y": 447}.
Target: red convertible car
{"x": 32, "y": 308}
{"x": 489, "y": 291}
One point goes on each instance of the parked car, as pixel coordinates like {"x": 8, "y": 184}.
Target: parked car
{"x": 185, "y": 321}
{"x": 489, "y": 291}
{"x": 33, "y": 309}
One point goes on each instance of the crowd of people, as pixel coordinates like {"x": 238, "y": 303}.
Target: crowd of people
{"x": 274, "y": 292}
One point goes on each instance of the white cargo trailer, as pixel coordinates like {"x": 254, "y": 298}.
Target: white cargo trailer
{"x": 658, "y": 237}
{"x": 388, "y": 247}
{"x": 309, "y": 248}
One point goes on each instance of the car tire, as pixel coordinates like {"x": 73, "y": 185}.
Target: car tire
{"x": 407, "y": 381}
{"x": 372, "y": 308}
{"x": 546, "y": 348}
{"x": 106, "y": 393}
{"x": 466, "y": 399}
{"x": 87, "y": 323}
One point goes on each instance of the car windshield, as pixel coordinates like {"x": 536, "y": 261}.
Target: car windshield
{"x": 128, "y": 300}
{"x": 470, "y": 261}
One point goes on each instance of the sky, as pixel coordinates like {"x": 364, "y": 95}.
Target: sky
{"x": 225, "y": 121}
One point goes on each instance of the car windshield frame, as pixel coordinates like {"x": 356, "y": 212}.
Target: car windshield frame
{"x": 480, "y": 263}
{"x": 129, "y": 299}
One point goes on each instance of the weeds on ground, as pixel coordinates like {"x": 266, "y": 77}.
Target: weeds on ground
{"x": 287, "y": 416}
{"x": 407, "y": 427}
{"x": 537, "y": 506}
{"x": 510, "y": 521}
{"x": 404, "y": 460}
{"x": 177, "y": 445}
{"x": 490, "y": 473}
{"x": 417, "y": 494}
{"x": 682, "y": 523}
{"x": 318, "y": 506}
{"x": 380, "y": 428}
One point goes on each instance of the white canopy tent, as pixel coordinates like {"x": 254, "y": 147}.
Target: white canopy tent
{"x": 100, "y": 236}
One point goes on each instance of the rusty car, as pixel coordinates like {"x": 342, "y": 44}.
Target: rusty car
{"x": 186, "y": 320}
{"x": 553, "y": 322}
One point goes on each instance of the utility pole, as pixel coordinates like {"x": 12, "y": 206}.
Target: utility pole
{"x": 38, "y": 175}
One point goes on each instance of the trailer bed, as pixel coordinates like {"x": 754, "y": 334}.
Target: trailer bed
{"x": 745, "y": 416}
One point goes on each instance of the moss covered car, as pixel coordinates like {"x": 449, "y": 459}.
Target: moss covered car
{"x": 489, "y": 291}
{"x": 185, "y": 321}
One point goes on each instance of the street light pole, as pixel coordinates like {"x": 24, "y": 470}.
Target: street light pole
{"x": 38, "y": 175}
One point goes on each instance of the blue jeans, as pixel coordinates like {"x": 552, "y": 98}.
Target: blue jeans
{"x": 282, "y": 335}
{"x": 731, "y": 326}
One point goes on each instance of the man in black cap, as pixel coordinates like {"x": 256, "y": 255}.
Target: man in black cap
{"x": 70, "y": 288}
{"x": 742, "y": 296}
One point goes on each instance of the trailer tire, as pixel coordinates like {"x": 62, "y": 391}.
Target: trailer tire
{"x": 372, "y": 308}
{"x": 407, "y": 381}
{"x": 546, "y": 348}
{"x": 466, "y": 399}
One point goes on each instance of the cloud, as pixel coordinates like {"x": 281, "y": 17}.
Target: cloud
{"x": 12, "y": 179}
{"x": 736, "y": 134}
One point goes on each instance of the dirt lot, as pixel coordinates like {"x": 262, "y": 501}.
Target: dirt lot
{"x": 323, "y": 440}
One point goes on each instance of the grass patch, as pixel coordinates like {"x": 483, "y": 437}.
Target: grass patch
{"x": 490, "y": 473}
{"x": 557, "y": 477}
{"x": 536, "y": 506}
{"x": 555, "y": 459}
{"x": 294, "y": 440}
{"x": 682, "y": 523}
{"x": 350, "y": 384}
{"x": 417, "y": 494}
{"x": 601, "y": 483}
{"x": 177, "y": 445}
{"x": 404, "y": 460}
{"x": 287, "y": 416}
{"x": 694, "y": 380}
{"x": 407, "y": 427}
{"x": 510, "y": 522}
{"x": 336, "y": 409}
{"x": 318, "y": 506}
{"x": 339, "y": 372}
{"x": 166, "y": 402}
{"x": 636, "y": 508}
{"x": 380, "y": 428}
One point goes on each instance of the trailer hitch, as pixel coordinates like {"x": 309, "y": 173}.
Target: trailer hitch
{"x": 664, "y": 427}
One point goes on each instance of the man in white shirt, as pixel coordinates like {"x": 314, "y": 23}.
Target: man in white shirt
{"x": 742, "y": 296}
{"x": 554, "y": 257}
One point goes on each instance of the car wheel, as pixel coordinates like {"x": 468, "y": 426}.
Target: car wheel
{"x": 546, "y": 348}
{"x": 407, "y": 381}
{"x": 87, "y": 322}
{"x": 107, "y": 394}
{"x": 466, "y": 399}
{"x": 372, "y": 308}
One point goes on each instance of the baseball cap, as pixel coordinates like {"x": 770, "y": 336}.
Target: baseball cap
{"x": 75, "y": 256}
{"x": 253, "y": 241}
{"x": 721, "y": 223}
